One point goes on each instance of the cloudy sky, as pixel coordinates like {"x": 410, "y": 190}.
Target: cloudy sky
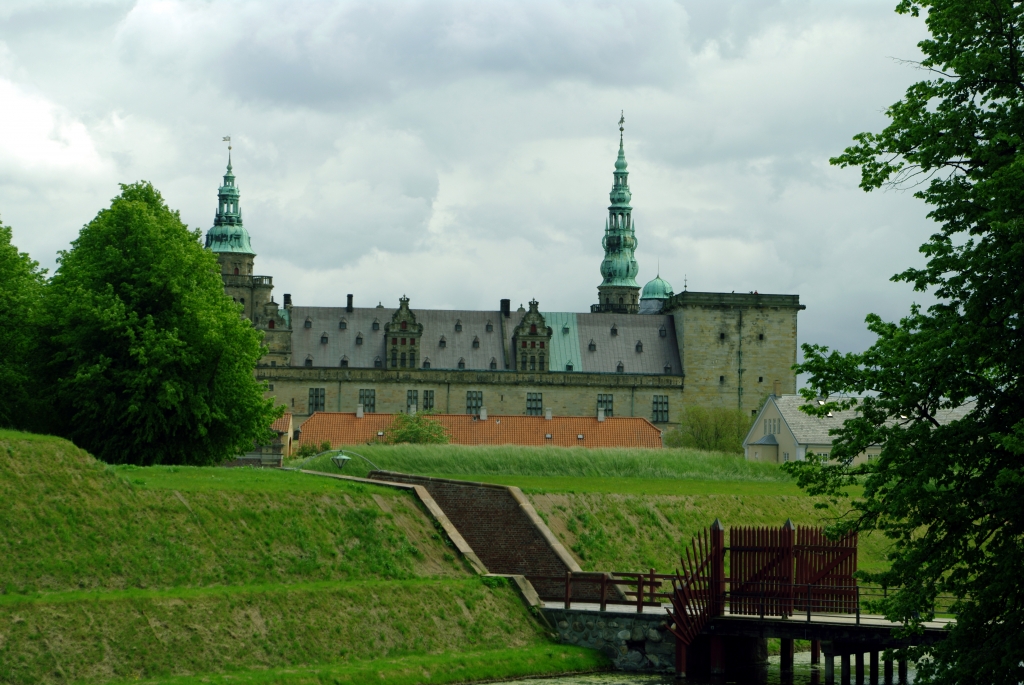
{"x": 461, "y": 151}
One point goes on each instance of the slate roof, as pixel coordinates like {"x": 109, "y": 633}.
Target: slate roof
{"x": 571, "y": 335}
{"x": 810, "y": 430}
{"x": 343, "y": 428}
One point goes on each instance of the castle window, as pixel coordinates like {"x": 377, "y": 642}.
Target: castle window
{"x": 542, "y": 344}
{"x": 309, "y": 360}
{"x": 405, "y": 325}
{"x": 489, "y": 327}
{"x": 426, "y": 365}
{"x": 323, "y": 338}
{"x": 639, "y": 346}
{"x": 462, "y": 363}
{"x": 760, "y": 379}
{"x": 662, "y": 332}
{"x": 376, "y": 325}
{"x": 344, "y": 362}
{"x": 270, "y": 387}
{"x": 659, "y": 409}
{"x": 474, "y": 401}
{"x": 568, "y": 366}
{"x": 523, "y": 363}
{"x": 402, "y": 361}
{"x": 615, "y": 330}
{"x": 316, "y": 399}
{"x": 620, "y": 300}
{"x": 533, "y": 329}
{"x": 394, "y": 359}
{"x": 412, "y": 401}
{"x": 668, "y": 368}
{"x": 241, "y": 300}
{"x": 458, "y": 325}
{"x": 309, "y": 322}
{"x": 721, "y": 336}
{"x": 540, "y": 362}
{"x": 442, "y": 342}
{"x": 378, "y": 363}
{"x": 533, "y": 363}
{"x": 620, "y": 368}
{"x": 592, "y": 346}
{"x": 403, "y": 342}
{"x": 368, "y": 398}
{"x": 236, "y": 270}
{"x": 359, "y": 338}
{"x": 270, "y": 324}
{"x": 342, "y": 325}
{"x": 760, "y": 336}
{"x": 524, "y": 344}
{"x": 534, "y": 404}
{"x": 273, "y": 363}
{"x": 412, "y": 341}
{"x": 394, "y": 341}
{"x": 605, "y": 402}
{"x": 428, "y": 400}
{"x": 533, "y": 344}
{"x": 476, "y": 342}
{"x": 721, "y": 379}
{"x": 494, "y": 363}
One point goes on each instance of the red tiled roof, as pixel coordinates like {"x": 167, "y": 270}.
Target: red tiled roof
{"x": 342, "y": 428}
{"x": 283, "y": 424}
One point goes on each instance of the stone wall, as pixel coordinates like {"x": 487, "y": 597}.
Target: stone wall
{"x": 633, "y": 643}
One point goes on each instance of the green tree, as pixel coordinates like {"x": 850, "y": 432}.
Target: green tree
{"x": 21, "y": 287}
{"x": 149, "y": 361}
{"x": 949, "y": 495}
{"x": 416, "y": 428}
{"x": 717, "y": 429}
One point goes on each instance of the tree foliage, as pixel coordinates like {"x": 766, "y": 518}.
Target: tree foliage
{"x": 718, "y": 429}
{"x": 416, "y": 429}
{"x": 950, "y": 496}
{"x": 21, "y": 287}
{"x": 148, "y": 361}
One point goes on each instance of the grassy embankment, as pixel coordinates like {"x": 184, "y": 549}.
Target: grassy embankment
{"x": 174, "y": 574}
{"x": 619, "y": 509}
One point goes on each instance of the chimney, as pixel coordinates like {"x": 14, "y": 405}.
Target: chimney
{"x": 359, "y": 411}
{"x": 483, "y": 413}
{"x": 777, "y": 388}
{"x": 348, "y": 307}
{"x": 600, "y": 414}
{"x": 547, "y": 414}
{"x": 287, "y": 300}
{"x": 506, "y": 308}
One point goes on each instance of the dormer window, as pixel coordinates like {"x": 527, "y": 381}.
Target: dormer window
{"x": 458, "y": 325}
{"x": 426, "y": 363}
{"x": 489, "y": 327}
{"x": 668, "y": 368}
{"x": 662, "y": 332}
{"x": 494, "y": 363}
{"x": 323, "y": 338}
{"x": 568, "y": 366}
{"x": 309, "y": 323}
{"x": 620, "y": 368}
{"x": 639, "y": 346}
{"x": 476, "y": 343}
{"x": 376, "y": 325}
{"x": 442, "y": 342}
{"x": 565, "y": 329}
{"x": 344, "y": 362}
{"x": 378, "y": 363}
{"x": 309, "y": 360}
{"x": 592, "y": 346}
{"x": 462, "y": 363}
{"x": 342, "y": 325}
{"x": 359, "y": 338}
{"x": 615, "y": 330}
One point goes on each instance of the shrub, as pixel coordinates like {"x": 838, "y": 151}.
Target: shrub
{"x": 415, "y": 428}
{"x": 717, "y": 429}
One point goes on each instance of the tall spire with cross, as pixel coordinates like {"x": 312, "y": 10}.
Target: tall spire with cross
{"x": 619, "y": 291}
{"x": 228, "y": 234}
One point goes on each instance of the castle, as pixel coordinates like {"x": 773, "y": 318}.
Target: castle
{"x": 638, "y": 353}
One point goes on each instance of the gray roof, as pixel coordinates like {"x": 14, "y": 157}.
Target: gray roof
{"x": 766, "y": 440}
{"x": 571, "y": 335}
{"x": 810, "y": 430}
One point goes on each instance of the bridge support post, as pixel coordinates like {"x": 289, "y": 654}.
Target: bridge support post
{"x": 844, "y": 666}
{"x": 859, "y": 667}
{"x": 903, "y": 672}
{"x": 717, "y": 568}
{"x": 815, "y": 652}
{"x": 786, "y": 655}
{"x": 888, "y": 671}
{"x": 680, "y": 659}
{"x": 717, "y": 655}
{"x": 830, "y": 669}
{"x": 873, "y": 668}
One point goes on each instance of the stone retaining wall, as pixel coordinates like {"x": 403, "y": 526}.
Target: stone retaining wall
{"x": 633, "y": 643}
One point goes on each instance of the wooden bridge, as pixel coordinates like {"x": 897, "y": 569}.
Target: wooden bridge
{"x": 789, "y": 582}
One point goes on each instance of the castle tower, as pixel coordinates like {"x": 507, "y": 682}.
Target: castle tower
{"x": 619, "y": 291}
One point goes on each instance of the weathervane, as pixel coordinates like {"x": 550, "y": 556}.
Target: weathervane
{"x": 622, "y": 120}
{"x": 227, "y": 139}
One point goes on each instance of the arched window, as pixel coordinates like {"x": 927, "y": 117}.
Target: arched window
{"x": 639, "y": 346}
{"x": 270, "y": 324}
{"x": 236, "y": 270}
{"x": 344, "y": 362}
{"x": 620, "y": 368}
{"x": 462, "y": 363}
{"x": 620, "y": 300}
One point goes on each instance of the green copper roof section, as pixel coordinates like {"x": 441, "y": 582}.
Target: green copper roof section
{"x": 565, "y": 341}
{"x": 658, "y": 289}
{"x": 619, "y": 267}
{"x": 228, "y": 234}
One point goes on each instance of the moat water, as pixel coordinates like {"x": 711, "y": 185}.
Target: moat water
{"x": 803, "y": 674}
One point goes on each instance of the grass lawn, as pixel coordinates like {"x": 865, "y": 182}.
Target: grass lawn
{"x": 245, "y": 479}
{"x": 630, "y": 486}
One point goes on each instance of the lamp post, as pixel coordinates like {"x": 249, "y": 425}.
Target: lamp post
{"x": 341, "y": 459}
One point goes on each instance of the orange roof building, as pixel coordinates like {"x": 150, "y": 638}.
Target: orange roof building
{"x": 344, "y": 428}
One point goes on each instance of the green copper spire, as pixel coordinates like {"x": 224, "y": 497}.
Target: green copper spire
{"x": 619, "y": 290}
{"x": 228, "y": 234}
